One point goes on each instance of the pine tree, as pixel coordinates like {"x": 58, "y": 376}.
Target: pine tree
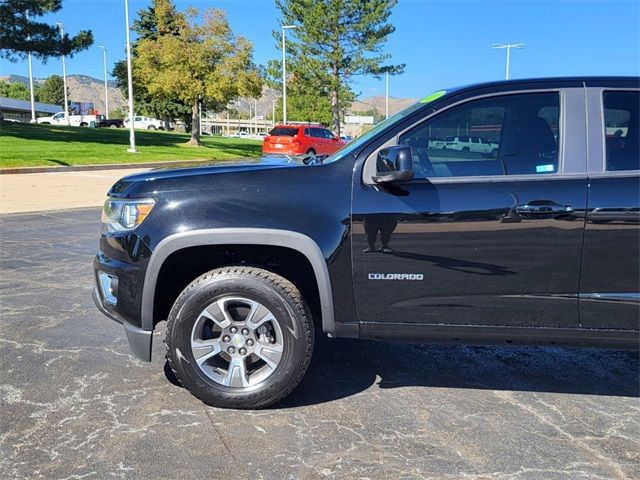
{"x": 336, "y": 40}
{"x": 20, "y": 34}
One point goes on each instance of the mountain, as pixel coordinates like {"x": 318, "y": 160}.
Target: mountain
{"x": 82, "y": 88}
{"x": 378, "y": 103}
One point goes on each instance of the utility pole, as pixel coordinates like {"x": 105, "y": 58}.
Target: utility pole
{"x": 273, "y": 112}
{"x": 507, "y": 47}
{"x": 132, "y": 133}
{"x": 284, "y": 71}
{"x": 386, "y": 97}
{"x": 106, "y": 92}
{"x": 256, "y": 113}
{"x": 64, "y": 75}
{"x": 33, "y": 103}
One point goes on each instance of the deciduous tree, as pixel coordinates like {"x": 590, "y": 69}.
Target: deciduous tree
{"x": 52, "y": 90}
{"x": 204, "y": 62}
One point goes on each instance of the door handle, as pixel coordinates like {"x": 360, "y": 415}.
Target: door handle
{"x": 543, "y": 207}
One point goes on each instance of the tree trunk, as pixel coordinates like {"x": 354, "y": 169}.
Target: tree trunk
{"x": 335, "y": 103}
{"x": 195, "y": 124}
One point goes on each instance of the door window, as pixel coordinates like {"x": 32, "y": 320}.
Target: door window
{"x": 519, "y": 135}
{"x": 622, "y": 130}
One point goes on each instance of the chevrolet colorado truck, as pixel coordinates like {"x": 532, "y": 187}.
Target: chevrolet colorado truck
{"x": 388, "y": 239}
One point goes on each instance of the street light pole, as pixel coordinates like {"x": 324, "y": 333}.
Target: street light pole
{"x": 386, "y": 99}
{"x": 64, "y": 77}
{"x": 132, "y": 133}
{"x": 106, "y": 92}
{"x": 33, "y": 103}
{"x": 508, "y": 47}
{"x": 273, "y": 112}
{"x": 284, "y": 71}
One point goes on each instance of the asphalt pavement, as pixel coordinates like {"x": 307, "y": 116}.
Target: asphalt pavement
{"x": 75, "y": 404}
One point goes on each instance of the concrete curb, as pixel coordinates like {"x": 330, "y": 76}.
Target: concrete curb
{"x": 105, "y": 166}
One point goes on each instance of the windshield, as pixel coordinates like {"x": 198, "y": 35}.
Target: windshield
{"x": 365, "y": 137}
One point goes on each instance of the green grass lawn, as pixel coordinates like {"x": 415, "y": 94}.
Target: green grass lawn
{"x": 25, "y": 145}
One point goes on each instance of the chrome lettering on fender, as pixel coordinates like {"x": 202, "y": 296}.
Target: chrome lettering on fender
{"x": 396, "y": 276}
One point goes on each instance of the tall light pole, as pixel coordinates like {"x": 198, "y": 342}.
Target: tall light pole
{"x": 273, "y": 112}
{"x": 508, "y": 47}
{"x": 284, "y": 71}
{"x": 33, "y": 103}
{"x": 132, "y": 133}
{"x": 106, "y": 92}
{"x": 64, "y": 76}
{"x": 386, "y": 97}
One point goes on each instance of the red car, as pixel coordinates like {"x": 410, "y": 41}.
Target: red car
{"x": 300, "y": 140}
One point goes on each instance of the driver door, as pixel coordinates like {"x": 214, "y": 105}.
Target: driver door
{"x": 479, "y": 238}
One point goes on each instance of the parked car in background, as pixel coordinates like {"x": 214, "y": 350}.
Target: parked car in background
{"x": 74, "y": 120}
{"x": 300, "y": 140}
{"x": 145, "y": 123}
{"x": 105, "y": 122}
{"x": 346, "y": 138}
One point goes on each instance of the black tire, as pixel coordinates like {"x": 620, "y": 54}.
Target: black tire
{"x": 84, "y": 124}
{"x": 113, "y": 125}
{"x": 279, "y": 296}
{"x": 151, "y": 127}
{"x": 465, "y": 149}
{"x": 311, "y": 151}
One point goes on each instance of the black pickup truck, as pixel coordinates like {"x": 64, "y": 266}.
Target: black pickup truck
{"x": 104, "y": 122}
{"x": 393, "y": 237}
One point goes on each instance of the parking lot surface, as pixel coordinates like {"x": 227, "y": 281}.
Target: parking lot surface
{"x": 74, "y": 403}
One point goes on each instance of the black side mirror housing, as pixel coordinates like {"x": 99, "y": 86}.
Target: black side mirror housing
{"x": 394, "y": 164}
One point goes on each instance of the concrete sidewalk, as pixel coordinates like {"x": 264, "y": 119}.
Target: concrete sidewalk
{"x": 58, "y": 190}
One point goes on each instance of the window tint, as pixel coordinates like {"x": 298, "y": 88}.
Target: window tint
{"x": 518, "y": 135}
{"x": 317, "y": 132}
{"x": 283, "y": 132}
{"x": 622, "y": 130}
{"x": 327, "y": 134}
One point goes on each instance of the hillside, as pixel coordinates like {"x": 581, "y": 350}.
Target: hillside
{"x": 378, "y": 103}
{"x": 83, "y": 88}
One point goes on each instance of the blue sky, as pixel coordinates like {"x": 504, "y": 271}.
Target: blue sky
{"x": 442, "y": 43}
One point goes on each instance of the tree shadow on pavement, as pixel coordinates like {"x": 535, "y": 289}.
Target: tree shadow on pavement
{"x": 341, "y": 368}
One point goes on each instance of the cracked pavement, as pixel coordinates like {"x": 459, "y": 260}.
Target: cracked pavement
{"x": 74, "y": 404}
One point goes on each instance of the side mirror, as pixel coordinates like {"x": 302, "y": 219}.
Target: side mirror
{"x": 394, "y": 164}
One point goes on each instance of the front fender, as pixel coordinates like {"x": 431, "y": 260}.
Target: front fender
{"x": 240, "y": 236}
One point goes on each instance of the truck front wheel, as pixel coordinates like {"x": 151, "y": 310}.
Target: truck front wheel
{"x": 240, "y": 337}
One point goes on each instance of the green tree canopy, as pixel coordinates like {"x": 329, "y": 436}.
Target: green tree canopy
{"x": 17, "y": 90}
{"x": 146, "y": 27}
{"x": 203, "y": 63}
{"x": 20, "y": 34}
{"x": 52, "y": 90}
{"x": 336, "y": 40}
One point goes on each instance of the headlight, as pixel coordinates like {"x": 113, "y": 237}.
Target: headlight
{"x": 126, "y": 214}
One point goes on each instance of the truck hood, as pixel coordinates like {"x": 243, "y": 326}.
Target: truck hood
{"x": 167, "y": 174}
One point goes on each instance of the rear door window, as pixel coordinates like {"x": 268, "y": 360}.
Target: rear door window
{"x": 622, "y": 130}
{"x": 522, "y": 130}
{"x": 283, "y": 132}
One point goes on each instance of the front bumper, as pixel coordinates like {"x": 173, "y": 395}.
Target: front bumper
{"x": 121, "y": 300}
{"x": 139, "y": 340}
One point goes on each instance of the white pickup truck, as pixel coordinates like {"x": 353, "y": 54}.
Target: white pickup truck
{"x": 466, "y": 144}
{"x": 74, "y": 120}
{"x": 145, "y": 123}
